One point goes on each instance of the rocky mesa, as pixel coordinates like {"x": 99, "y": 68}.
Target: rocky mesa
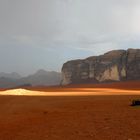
{"x": 116, "y": 65}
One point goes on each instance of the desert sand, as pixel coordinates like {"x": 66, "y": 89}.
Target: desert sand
{"x": 81, "y": 112}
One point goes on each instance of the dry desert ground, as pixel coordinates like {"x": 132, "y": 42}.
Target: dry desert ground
{"x": 76, "y": 112}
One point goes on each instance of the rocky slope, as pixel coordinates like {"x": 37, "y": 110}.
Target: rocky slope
{"x": 116, "y": 65}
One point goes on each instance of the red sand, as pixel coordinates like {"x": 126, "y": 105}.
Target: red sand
{"x": 70, "y": 117}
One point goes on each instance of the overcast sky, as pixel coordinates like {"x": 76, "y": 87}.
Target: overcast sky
{"x": 43, "y": 34}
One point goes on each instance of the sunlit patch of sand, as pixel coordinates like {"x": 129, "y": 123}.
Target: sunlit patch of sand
{"x": 21, "y": 92}
{"x": 74, "y": 92}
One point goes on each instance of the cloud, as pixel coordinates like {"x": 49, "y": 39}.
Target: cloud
{"x": 65, "y": 27}
{"x": 68, "y": 20}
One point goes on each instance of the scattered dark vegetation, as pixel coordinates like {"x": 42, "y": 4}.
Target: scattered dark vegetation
{"x": 135, "y": 103}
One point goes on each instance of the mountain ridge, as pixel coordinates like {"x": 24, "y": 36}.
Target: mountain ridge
{"x": 12, "y": 75}
{"x": 41, "y": 77}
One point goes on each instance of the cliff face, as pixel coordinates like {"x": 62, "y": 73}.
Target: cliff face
{"x": 115, "y": 65}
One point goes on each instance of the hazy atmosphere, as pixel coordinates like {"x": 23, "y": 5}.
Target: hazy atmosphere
{"x": 43, "y": 34}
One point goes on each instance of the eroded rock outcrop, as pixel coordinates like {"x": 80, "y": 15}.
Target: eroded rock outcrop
{"x": 115, "y": 65}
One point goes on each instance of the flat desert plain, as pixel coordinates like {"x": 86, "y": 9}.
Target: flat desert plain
{"x": 76, "y": 112}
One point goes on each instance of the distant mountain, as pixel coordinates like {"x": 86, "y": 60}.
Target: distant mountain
{"x": 40, "y": 78}
{"x": 6, "y": 82}
{"x": 12, "y": 75}
{"x": 9, "y": 83}
{"x": 43, "y": 78}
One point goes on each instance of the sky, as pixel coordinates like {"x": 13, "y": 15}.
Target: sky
{"x": 43, "y": 34}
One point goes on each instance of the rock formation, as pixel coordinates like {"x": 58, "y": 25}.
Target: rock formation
{"x": 116, "y": 65}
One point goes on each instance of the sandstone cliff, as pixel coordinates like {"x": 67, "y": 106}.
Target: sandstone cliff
{"x": 115, "y": 65}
